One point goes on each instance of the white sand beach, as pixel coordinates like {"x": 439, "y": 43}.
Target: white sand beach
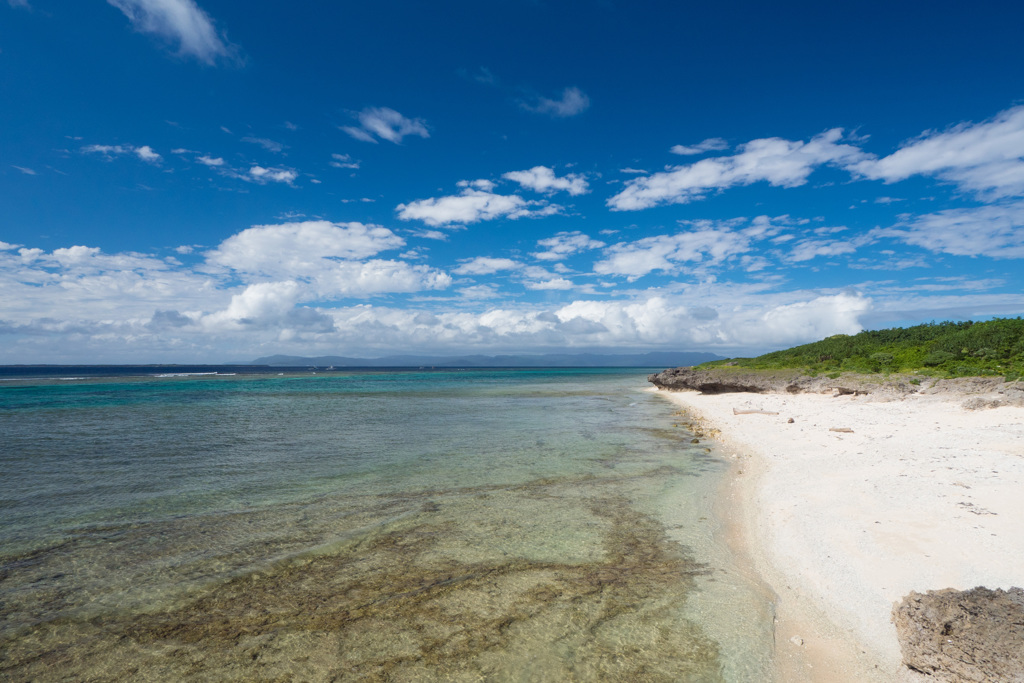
{"x": 922, "y": 494}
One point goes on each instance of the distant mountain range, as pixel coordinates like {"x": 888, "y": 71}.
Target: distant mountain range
{"x": 549, "y": 360}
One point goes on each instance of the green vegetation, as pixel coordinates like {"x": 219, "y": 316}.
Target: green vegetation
{"x": 946, "y": 349}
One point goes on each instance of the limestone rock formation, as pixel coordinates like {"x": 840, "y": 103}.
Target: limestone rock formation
{"x": 727, "y": 380}
{"x": 975, "y": 635}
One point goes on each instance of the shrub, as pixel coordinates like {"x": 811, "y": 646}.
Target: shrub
{"x": 938, "y": 358}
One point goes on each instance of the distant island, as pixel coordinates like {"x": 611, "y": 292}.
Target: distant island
{"x": 548, "y": 360}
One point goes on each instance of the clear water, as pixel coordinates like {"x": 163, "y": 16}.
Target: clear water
{"x": 501, "y": 525}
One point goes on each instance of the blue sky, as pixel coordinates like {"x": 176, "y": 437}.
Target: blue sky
{"x": 204, "y": 180}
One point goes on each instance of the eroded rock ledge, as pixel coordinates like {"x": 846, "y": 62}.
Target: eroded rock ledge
{"x": 973, "y": 635}
{"x": 982, "y": 392}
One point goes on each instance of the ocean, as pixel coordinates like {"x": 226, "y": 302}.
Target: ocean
{"x": 381, "y": 525}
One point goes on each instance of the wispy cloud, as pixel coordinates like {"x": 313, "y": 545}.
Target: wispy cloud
{"x": 995, "y": 231}
{"x": 709, "y": 145}
{"x": 779, "y": 162}
{"x": 343, "y": 161}
{"x": 269, "y": 145}
{"x": 572, "y": 102}
{"x": 182, "y": 22}
{"x": 26, "y": 171}
{"x": 482, "y": 265}
{"x": 564, "y": 245}
{"x": 145, "y": 152}
{"x": 985, "y": 158}
{"x": 385, "y": 124}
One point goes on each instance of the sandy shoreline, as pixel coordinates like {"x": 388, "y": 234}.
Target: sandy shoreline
{"x": 921, "y": 495}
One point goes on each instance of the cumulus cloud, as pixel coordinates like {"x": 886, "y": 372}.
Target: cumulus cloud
{"x": 78, "y": 304}
{"x": 565, "y": 244}
{"x": 211, "y": 161}
{"x": 471, "y": 206}
{"x": 782, "y": 163}
{"x": 290, "y": 249}
{"x": 543, "y": 179}
{"x": 709, "y": 145}
{"x": 263, "y": 175}
{"x": 706, "y": 243}
{"x": 146, "y": 153}
{"x": 572, "y": 102}
{"x": 325, "y": 257}
{"x": 986, "y": 158}
{"x": 385, "y": 124}
{"x": 180, "y": 22}
{"x": 995, "y": 231}
{"x": 482, "y": 265}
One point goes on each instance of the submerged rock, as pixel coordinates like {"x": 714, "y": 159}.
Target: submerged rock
{"x": 973, "y": 635}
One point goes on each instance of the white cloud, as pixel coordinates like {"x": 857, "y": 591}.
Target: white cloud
{"x": 572, "y": 102}
{"x": 430, "y": 235}
{"x": 707, "y": 244}
{"x": 325, "y": 258}
{"x": 538, "y": 278}
{"x": 482, "y": 184}
{"x": 709, "y": 145}
{"x": 386, "y": 124}
{"x": 543, "y": 179}
{"x": 276, "y": 175}
{"x": 986, "y": 158}
{"x": 269, "y": 145}
{"x": 181, "y": 22}
{"x": 78, "y": 304}
{"x": 811, "y": 249}
{"x": 147, "y": 154}
{"x": 26, "y": 171}
{"x": 782, "y": 163}
{"x": 472, "y": 206}
{"x": 343, "y": 161}
{"x": 211, "y": 161}
{"x": 565, "y": 244}
{"x": 290, "y": 249}
{"x": 18, "y": 3}
{"x": 263, "y": 302}
{"x": 483, "y": 265}
{"x": 995, "y": 231}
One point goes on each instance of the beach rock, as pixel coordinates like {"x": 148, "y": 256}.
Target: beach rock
{"x": 975, "y": 635}
{"x": 733, "y": 380}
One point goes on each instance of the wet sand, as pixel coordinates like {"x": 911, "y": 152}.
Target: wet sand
{"x": 920, "y": 494}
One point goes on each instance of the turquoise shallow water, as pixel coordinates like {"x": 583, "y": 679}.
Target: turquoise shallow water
{"x": 514, "y": 525}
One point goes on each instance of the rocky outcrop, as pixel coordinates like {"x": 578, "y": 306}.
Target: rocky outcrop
{"x": 729, "y": 379}
{"x": 954, "y": 636}
{"x": 980, "y": 392}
